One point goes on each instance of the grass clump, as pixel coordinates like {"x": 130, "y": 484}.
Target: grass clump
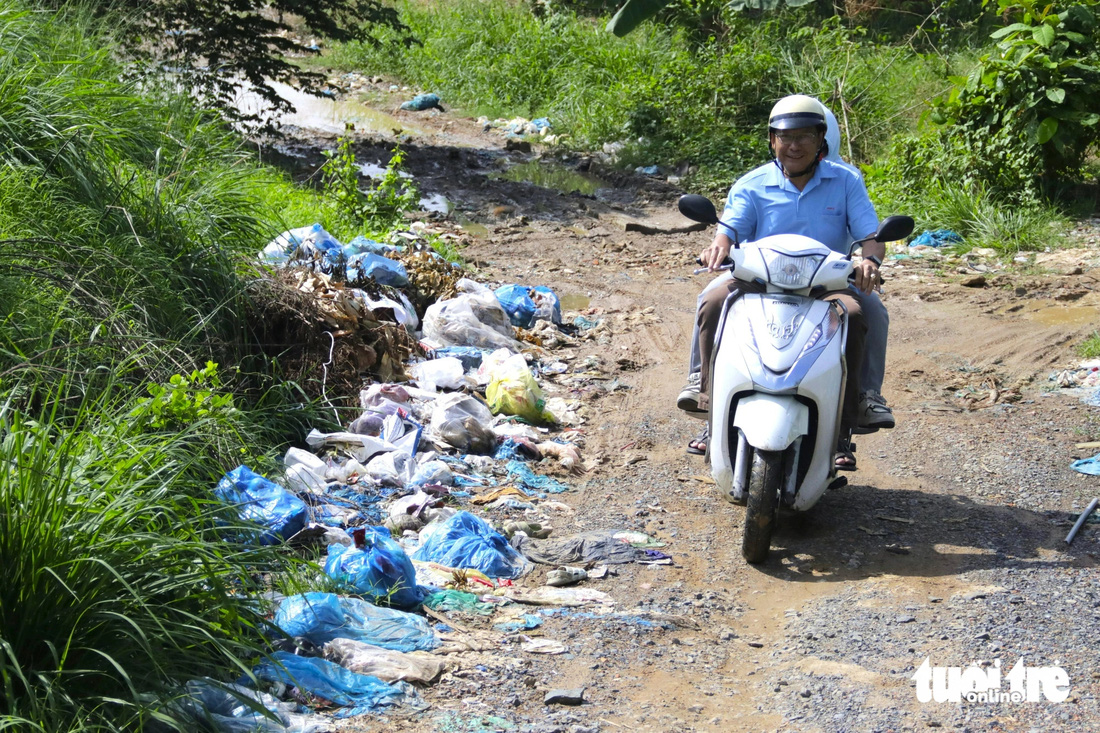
{"x": 117, "y": 585}
{"x": 1090, "y": 347}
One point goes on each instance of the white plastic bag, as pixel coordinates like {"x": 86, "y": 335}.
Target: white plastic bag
{"x": 391, "y": 469}
{"x": 470, "y": 319}
{"x": 435, "y": 373}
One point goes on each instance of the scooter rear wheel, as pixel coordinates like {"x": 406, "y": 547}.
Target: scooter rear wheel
{"x": 762, "y": 509}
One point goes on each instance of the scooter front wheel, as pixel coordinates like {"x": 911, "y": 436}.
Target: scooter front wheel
{"x": 762, "y": 508}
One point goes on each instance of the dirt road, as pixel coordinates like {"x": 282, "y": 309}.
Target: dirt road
{"x": 947, "y": 544}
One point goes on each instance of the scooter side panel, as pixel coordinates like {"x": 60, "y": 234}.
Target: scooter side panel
{"x": 823, "y": 385}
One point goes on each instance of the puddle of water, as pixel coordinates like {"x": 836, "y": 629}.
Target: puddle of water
{"x": 329, "y": 115}
{"x": 436, "y": 202}
{"x": 377, "y": 170}
{"x": 551, "y": 175}
{"x": 1054, "y": 315}
{"x": 574, "y": 302}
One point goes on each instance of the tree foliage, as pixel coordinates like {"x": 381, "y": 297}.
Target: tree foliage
{"x": 1029, "y": 106}
{"x": 221, "y": 45}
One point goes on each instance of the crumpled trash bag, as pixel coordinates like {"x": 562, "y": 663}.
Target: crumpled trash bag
{"x": 467, "y": 541}
{"x": 381, "y": 570}
{"x": 1089, "y": 466}
{"x": 385, "y": 664}
{"x": 313, "y": 241}
{"x": 446, "y": 373}
{"x": 263, "y": 502}
{"x": 233, "y": 709}
{"x": 547, "y": 304}
{"x": 513, "y": 390}
{"x": 358, "y": 693}
{"x": 597, "y": 546}
{"x": 473, "y": 318}
{"x": 321, "y": 617}
{"x": 421, "y": 102}
{"x": 463, "y": 422}
{"x": 391, "y": 469}
{"x": 382, "y": 270}
{"x": 517, "y": 304}
{"x": 937, "y": 238}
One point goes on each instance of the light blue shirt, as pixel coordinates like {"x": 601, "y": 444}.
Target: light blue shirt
{"x": 833, "y": 208}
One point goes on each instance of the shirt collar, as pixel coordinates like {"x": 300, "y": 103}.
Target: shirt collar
{"x": 775, "y": 176}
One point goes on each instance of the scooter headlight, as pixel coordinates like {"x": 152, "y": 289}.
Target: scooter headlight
{"x": 791, "y": 271}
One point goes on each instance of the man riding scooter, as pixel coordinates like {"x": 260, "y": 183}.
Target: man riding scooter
{"x": 799, "y": 192}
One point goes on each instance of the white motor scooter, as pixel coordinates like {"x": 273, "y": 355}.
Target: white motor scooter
{"x": 778, "y": 374}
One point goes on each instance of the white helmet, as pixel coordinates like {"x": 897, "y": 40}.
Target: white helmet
{"x": 795, "y": 111}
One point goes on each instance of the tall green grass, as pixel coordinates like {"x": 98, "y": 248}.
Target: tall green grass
{"x": 118, "y": 585}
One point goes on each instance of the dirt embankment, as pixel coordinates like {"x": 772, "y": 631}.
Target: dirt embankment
{"x": 946, "y": 545}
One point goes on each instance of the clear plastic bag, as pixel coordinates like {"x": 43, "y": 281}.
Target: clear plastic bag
{"x": 470, "y": 319}
{"x": 463, "y": 422}
{"x": 447, "y": 373}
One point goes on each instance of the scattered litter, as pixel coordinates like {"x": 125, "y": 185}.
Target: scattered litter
{"x": 1089, "y": 466}
{"x": 566, "y": 575}
{"x": 525, "y": 622}
{"x": 456, "y": 600}
{"x": 543, "y": 646}
{"x": 597, "y": 546}
{"x": 519, "y": 473}
{"x": 902, "y": 520}
{"x": 548, "y": 596}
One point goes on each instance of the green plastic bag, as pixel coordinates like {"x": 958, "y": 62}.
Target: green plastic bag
{"x": 456, "y": 600}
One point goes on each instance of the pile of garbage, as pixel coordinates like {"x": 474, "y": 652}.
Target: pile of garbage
{"x": 520, "y": 127}
{"x": 434, "y": 504}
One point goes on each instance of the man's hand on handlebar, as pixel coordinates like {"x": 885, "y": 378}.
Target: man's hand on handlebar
{"x": 865, "y": 276}
{"x": 716, "y": 253}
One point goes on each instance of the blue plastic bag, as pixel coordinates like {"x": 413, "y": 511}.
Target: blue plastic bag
{"x": 517, "y": 304}
{"x": 421, "y": 102}
{"x": 322, "y": 617}
{"x": 937, "y": 238}
{"x": 382, "y": 270}
{"x": 360, "y": 693}
{"x": 470, "y": 356}
{"x": 258, "y": 500}
{"x": 467, "y": 541}
{"x": 382, "y": 571}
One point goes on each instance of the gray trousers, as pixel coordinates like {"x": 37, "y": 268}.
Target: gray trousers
{"x": 873, "y": 370}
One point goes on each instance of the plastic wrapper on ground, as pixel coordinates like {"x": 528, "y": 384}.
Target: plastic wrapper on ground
{"x": 467, "y": 541}
{"x": 358, "y": 693}
{"x": 314, "y": 237}
{"x": 321, "y": 617}
{"x": 391, "y": 469}
{"x": 519, "y": 473}
{"x": 601, "y": 547}
{"x": 456, "y": 600}
{"x": 228, "y": 708}
{"x": 435, "y": 473}
{"x": 381, "y": 570}
{"x": 263, "y": 502}
{"x": 385, "y": 664}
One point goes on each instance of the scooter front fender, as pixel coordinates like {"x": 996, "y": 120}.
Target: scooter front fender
{"x": 771, "y": 422}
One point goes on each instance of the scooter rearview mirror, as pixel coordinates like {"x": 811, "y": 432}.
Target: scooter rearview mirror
{"x": 894, "y": 228}
{"x": 697, "y": 208}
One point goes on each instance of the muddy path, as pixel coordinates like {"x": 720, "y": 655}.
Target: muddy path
{"x": 947, "y": 544}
